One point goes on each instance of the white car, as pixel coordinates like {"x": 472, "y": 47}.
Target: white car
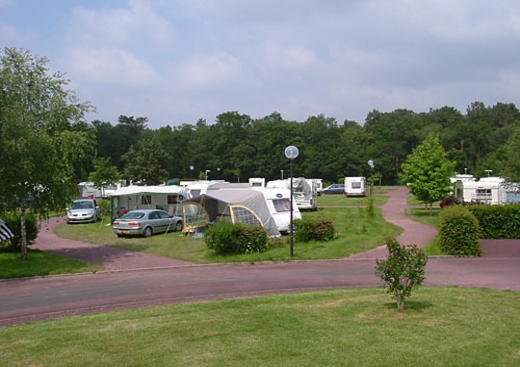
{"x": 83, "y": 211}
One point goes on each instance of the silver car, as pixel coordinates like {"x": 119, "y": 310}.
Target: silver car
{"x": 83, "y": 211}
{"x": 146, "y": 222}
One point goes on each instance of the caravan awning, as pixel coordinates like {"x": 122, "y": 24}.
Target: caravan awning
{"x": 5, "y": 232}
{"x": 135, "y": 190}
{"x": 237, "y": 206}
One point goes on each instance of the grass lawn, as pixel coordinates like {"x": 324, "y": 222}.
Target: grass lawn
{"x": 448, "y": 327}
{"x": 412, "y": 200}
{"x": 341, "y": 200}
{"x": 40, "y": 263}
{"x": 356, "y": 233}
{"x": 423, "y": 216}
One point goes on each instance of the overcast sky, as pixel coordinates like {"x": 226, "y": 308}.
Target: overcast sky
{"x": 177, "y": 61}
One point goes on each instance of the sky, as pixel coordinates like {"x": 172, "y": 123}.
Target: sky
{"x": 175, "y": 62}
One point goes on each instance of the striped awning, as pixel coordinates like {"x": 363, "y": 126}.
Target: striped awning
{"x": 5, "y": 232}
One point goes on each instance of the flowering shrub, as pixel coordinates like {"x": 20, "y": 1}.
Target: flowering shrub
{"x": 402, "y": 270}
{"x": 228, "y": 238}
{"x": 309, "y": 229}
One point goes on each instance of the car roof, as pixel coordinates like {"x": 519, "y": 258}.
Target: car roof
{"x": 146, "y": 210}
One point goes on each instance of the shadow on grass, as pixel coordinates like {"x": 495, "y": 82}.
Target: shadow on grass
{"x": 410, "y": 305}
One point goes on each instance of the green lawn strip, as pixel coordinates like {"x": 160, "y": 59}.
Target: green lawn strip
{"x": 341, "y": 200}
{"x": 448, "y": 327}
{"x": 412, "y": 200}
{"x": 423, "y": 216}
{"x": 356, "y": 233}
{"x": 40, "y": 263}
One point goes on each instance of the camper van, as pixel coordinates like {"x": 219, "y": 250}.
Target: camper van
{"x": 305, "y": 195}
{"x": 257, "y": 182}
{"x": 355, "y": 186}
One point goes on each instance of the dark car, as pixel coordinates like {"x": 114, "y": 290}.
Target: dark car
{"x": 334, "y": 189}
{"x": 146, "y": 222}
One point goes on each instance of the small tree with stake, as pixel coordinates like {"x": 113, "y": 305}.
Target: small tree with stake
{"x": 402, "y": 271}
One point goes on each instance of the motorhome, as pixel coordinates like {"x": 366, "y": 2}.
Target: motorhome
{"x": 492, "y": 192}
{"x": 257, "y": 182}
{"x": 355, "y": 186}
{"x": 319, "y": 184}
{"x": 304, "y": 194}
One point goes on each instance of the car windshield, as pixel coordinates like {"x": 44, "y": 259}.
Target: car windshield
{"x": 82, "y": 205}
{"x": 133, "y": 215}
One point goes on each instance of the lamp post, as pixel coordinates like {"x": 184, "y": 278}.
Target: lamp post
{"x": 206, "y": 172}
{"x": 281, "y": 171}
{"x": 291, "y": 152}
{"x": 371, "y": 164}
{"x": 191, "y": 169}
{"x": 488, "y": 171}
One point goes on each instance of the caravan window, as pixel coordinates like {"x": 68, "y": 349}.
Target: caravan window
{"x": 194, "y": 193}
{"x": 356, "y": 185}
{"x": 484, "y": 191}
{"x": 282, "y": 205}
{"x": 245, "y": 216}
{"x": 175, "y": 199}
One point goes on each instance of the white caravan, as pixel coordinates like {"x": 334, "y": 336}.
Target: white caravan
{"x": 305, "y": 195}
{"x": 87, "y": 190}
{"x": 492, "y": 192}
{"x": 463, "y": 178}
{"x": 196, "y": 188}
{"x": 279, "y": 204}
{"x": 355, "y": 186}
{"x": 319, "y": 184}
{"x": 257, "y": 182}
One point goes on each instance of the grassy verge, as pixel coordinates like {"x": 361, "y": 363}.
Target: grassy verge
{"x": 40, "y": 263}
{"x": 356, "y": 233}
{"x": 412, "y": 200}
{"x": 447, "y": 327}
{"x": 341, "y": 200}
{"x": 423, "y": 216}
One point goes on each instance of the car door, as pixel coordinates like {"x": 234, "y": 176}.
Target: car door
{"x": 167, "y": 221}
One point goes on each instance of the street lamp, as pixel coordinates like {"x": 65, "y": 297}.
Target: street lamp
{"x": 291, "y": 152}
{"x": 371, "y": 164}
{"x": 488, "y": 171}
{"x": 206, "y": 172}
{"x": 191, "y": 169}
{"x": 281, "y": 171}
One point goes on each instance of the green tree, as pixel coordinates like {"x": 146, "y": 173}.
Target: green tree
{"x": 511, "y": 168}
{"x": 427, "y": 171}
{"x": 105, "y": 174}
{"x": 37, "y": 136}
{"x": 146, "y": 163}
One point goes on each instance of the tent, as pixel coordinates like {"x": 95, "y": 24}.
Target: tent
{"x": 5, "y": 232}
{"x": 168, "y": 198}
{"x": 236, "y": 206}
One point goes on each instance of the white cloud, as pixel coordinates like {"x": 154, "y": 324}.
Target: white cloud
{"x": 13, "y": 37}
{"x": 208, "y": 70}
{"x": 289, "y": 57}
{"x": 138, "y": 22}
{"x": 111, "y": 66}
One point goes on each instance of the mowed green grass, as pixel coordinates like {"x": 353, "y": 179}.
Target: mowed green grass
{"x": 356, "y": 232}
{"x": 341, "y": 200}
{"x": 441, "y": 327}
{"x": 40, "y": 263}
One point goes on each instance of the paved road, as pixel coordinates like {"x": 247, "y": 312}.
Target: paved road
{"x": 29, "y": 299}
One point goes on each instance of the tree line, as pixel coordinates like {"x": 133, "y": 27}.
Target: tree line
{"x": 236, "y": 146}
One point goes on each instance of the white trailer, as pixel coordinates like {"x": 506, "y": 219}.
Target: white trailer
{"x": 257, "y": 182}
{"x": 279, "y": 204}
{"x": 491, "y": 192}
{"x": 319, "y": 184}
{"x": 304, "y": 194}
{"x": 355, "y": 186}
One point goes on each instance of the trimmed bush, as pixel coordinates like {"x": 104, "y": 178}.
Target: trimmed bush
{"x": 310, "y": 229}
{"x": 498, "y": 221}
{"x": 459, "y": 232}
{"x": 226, "y": 238}
{"x": 12, "y": 220}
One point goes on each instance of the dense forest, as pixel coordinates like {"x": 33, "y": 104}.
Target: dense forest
{"x": 236, "y": 147}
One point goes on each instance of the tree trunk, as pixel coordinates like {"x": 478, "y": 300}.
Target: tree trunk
{"x": 431, "y": 209}
{"x": 400, "y": 303}
{"x": 23, "y": 233}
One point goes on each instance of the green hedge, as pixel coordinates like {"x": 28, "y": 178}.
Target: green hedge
{"x": 459, "y": 232}
{"x": 12, "y": 220}
{"x": 498, "y": 221}
{"x": 228, "y": 238}
{"x": 310, "y": 229}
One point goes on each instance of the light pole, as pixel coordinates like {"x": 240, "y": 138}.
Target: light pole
{"x": 281, "y": 171}
{"x": 206, "y": 172}
{"x": 371, "y": 164}
{"x": 291, "y": 152}
{"x": 488, "y": 171}
{"x": 191, "y": 169}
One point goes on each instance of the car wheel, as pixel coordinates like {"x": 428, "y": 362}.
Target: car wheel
{"x": 119, "y": 235}
{"x": 147, "y": 232}
{"x": 178, "y": 226}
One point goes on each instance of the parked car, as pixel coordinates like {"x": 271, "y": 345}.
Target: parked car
{"x": 146, "y": 222}
{"x": 83, "y": 211}
{"x": 334, "y": 189}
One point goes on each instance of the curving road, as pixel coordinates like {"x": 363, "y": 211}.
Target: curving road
{"x": 39, "y": 298}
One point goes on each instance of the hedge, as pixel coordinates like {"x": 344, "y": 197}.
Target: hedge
{"x": 498, "y": 221}
{"x": 228, "y": 238}
{"x": 459, "y": 232}
{"x": 309, "y": 229}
